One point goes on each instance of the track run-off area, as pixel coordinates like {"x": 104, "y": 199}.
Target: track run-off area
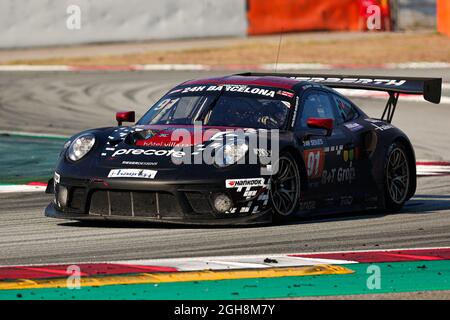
{"x": 161, "y": 262}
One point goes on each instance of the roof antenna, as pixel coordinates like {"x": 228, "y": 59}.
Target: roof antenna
{"x": 279, "y": 49}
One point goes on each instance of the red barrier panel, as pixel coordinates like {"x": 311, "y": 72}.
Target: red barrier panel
{"x": 274, "y": 16}
{"x": 443, "y": 13}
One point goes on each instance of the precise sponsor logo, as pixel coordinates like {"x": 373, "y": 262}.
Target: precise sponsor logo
{"x": 285, "y": 93}
{"x": 339, "y": 175}
{"x": 229, "y": 88}
{"x": 132, "y": 173}
{"x": 313, "y": 143}
{"x": 56, "y": 177}
{"x": 380, "y": 125}
{"x": 137, "y": 163}
{"x": 385, "y": 82}
{"x": 238, "y": 183}
{"x": 149, "y": 152}
{"x": 353, "y": 126}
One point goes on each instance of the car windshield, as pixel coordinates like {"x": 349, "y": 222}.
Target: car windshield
{"x": 228, "y": 109}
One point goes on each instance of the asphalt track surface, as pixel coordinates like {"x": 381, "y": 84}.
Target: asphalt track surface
{"x": 64, "y": 103}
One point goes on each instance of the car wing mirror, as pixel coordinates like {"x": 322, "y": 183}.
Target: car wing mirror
{"x": 321, "y": 123}
{"x": 125, "y": 116}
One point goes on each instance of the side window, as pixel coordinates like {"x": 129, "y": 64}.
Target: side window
{"x": 316, "y": 105}
{"x": 345, "y": 109}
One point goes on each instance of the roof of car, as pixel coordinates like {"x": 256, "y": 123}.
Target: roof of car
{"x": 267, "y": 81}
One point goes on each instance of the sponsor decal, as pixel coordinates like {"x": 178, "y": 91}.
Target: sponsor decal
{"x": 57, "y": 178}
{"x": 166, "y": 144}
{"x": 307, "y": 205}
{"x": 285, "y": 93}
{"x": 132, "y": 173}
{"x": 166, "y": 103}
{"x": 386, "y": 82}
{"x": 315, "y": 161}
{"x": 262, "y": 152}
{"x": 338, "y": 149}
{"x": 149, "y": 152}
{"x": 383, "y": 127}
{"x": 379, "y": 125}
{"x": 229, "y": 88}
{"x": 137, "y": 163}
{"x": 353, "y": 126}
{"x": 243, "y": 183}
{"x": 339, "y": 175}
{"x": 346, "y": 175}
{"x": 350, "y": 155}
{"x": 346, "y": 201}
{"x": 294, "y": 114}
{"x": 313, "y": 143}
{"x": 175, "y": 91}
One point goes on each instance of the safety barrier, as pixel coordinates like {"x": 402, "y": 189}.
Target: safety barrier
{"x": 443, "y": 13}
{"x": 273, "y": 16}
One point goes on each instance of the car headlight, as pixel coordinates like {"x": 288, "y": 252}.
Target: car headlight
{"x": 81, "y": 146}
{"x": 230, "y": 153}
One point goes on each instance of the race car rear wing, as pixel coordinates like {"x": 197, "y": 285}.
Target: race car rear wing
{"x": 429, "y": 88}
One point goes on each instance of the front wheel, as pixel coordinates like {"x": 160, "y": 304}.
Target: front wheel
{"x": 285, "y": 189}
{"x": 397, "y": 177}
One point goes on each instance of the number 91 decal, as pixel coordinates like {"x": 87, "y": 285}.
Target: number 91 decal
{"x": 314, "y": 160}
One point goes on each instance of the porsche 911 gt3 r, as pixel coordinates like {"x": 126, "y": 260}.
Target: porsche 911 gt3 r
{"x": 243, "y": 149}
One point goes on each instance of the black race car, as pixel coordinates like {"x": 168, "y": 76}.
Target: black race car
{"x": 243, "y": 149}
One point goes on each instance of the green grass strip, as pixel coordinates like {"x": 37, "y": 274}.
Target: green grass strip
{"x": 25, "y": 159}
{"x": 395, "y": 277}
{"x": 30, "y": 135}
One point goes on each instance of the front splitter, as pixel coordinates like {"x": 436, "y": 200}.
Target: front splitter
{"x": 250, "y": 220}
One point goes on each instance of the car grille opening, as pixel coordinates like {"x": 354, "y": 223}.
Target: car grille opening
{"x": 135, "y": 204}
{"x": 77, "y": 198}
{"x": 199, "y": 202}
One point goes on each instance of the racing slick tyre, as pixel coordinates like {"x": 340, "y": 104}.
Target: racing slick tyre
{"x": 285, "y": 189}
{"x": 397, "y": 177}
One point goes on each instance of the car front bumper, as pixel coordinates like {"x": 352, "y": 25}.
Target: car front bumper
{"x": 181, "y": 202}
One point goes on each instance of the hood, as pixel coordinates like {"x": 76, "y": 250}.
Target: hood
{"x": 155, "y": 145}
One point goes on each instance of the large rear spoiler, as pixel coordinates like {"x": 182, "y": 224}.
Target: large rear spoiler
{"x": 429, "y": 88}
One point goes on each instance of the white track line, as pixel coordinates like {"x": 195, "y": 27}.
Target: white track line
{"x": 295, "y": 66}
{"x": 35, "y": 68}
{"x": 239, "y": 261}
{"x": 21, "y": 188}
{"x": 172, "y": 67}
{"x": 418, "y": 65}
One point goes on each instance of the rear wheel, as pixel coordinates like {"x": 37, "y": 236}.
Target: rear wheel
{"x": 397, "y": 177}
{"x": 285, "y": 189}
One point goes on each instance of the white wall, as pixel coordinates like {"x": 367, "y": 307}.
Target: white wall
{"x": 44, "y": 22}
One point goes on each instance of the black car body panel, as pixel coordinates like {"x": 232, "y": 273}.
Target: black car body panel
{"x": 340, "y": 172}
